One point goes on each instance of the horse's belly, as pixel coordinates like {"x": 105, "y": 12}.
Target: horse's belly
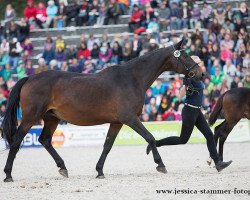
{"x": 87, "y": 117}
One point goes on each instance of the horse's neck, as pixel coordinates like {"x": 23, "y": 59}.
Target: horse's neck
{"x": 148, "y": 68}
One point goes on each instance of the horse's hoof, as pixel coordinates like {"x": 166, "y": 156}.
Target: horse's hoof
{"x": 64, "y": 173}
{"x": 100, "y": 176}
{"x": 161, "y": 169}
{"x": 7, "y": 180}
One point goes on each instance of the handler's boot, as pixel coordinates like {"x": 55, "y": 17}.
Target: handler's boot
{"x": 220, "y": 165}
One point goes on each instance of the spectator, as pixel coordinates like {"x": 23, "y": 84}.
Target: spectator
{"x": 71, "y": 52}
{"x": 83, "y": 15}
{"x": 195, "y": 18}
{"x": 116, "y": 53}
{"x": 49, "y": 43}
{"x": 243, "y": 12}
{"x": 163, "y": 105}
{"x": 153, "y": 27}
{"x": 113, "y": 12}
{"x": 29, "y": 68}
{"x": 60, "y": 43}
{"x": 215, "y": 26}
{"x": 60, "y": 56}
{"x": 5, "y": 72}
{"x": 41, "y": 15}
{"x": 48, "y": 54}
{"x": 153, "y": 45}
{"x": 204, "y": 55}
{"x": 95, "y": 52}
{"x": 72, "y": 11}
{"x": 135, "y": 19}
{"x": 228, "y": 43}
{"x": 12, "y": 30}
{"x": 148, "y": 14}
{"x": 10, "y": 14}
{"x": 89, "y": 67}
{"x": 230, "y": 71}
{"x": 83, "y": 52}
{"x": 104, "y": 55}
{"x": 228, "y": 25}
{"x": 61, "y": 15}
{"x": 24, "y": 30}
{"x": 235, "y": 82}
{"x": 176, "y": 15}
{"x": 65, "y": 66}
{"x": 51, "y": 13}
{"x": 217, "y": 78}
{"x": 246, "y": 81}
{"x": 21, "y": 72}
{"x": 75, "y": 67}
{"x": 4, "y": 57}
{"x": 102, "y": 14}
{"x": 14, "y": 52}
{"x": 220, "y": 11}
{"x": 91, "y": 41}
{"x": 53, "y": 65}
{"x": 28, "y": 46}
{"x": 136, "y": 46}
{"x": 4, "y": 46}
{"x": 239, "y": 25}
{"x": 30, "y": 11}
{"x": 186, "y": 15}
{"x": 164, "y": 16}
{"x": 42, "y": 65}
{"x": 93, "y": 14}
{"x": 206, "y": 14}
{"x": 127, "y": 52}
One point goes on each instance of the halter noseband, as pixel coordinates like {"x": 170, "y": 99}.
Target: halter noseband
{"x": 177, "y": 54}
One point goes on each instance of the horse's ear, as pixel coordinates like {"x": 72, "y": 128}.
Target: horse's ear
{"x": 180, "y": 44}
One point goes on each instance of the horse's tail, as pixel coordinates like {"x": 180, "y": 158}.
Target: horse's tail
{"x": 9, "y": 124}
{"x": 216, "y": 112}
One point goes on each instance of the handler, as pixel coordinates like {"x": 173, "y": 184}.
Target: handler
{"x": 192, "y": 116}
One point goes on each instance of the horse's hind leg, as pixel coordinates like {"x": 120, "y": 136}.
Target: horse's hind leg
{"x": 217, "y": 133}
{"x": 112, "y": 133}
{"x": 225, "y": 130}
{"x": 50, "y": 124}
{"x": 21, "y": 132}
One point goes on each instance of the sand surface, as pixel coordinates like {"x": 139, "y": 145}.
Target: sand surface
{"x": 130, "y": 174}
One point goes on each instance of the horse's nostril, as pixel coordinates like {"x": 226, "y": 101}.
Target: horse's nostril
{"x": 202, "y": 74}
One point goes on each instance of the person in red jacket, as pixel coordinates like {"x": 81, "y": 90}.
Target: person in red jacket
{"x": 30, "y": 11}
{"x": 41, "y": 15}
{"x": 83, "y": 52}
{"x": 135, "y": 19}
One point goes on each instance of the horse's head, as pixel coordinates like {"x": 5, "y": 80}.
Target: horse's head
{"x": 184, "y": 64}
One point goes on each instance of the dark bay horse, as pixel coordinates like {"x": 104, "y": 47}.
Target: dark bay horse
{"x": 234, "y": 105}
{"x": 114, "y": 95}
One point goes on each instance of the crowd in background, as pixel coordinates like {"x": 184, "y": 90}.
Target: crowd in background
{"x": 223, "y": 46}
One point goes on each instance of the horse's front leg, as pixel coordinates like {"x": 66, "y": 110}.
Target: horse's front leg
{"x": 137, "y": 126}
{"x": 112, "y": 133}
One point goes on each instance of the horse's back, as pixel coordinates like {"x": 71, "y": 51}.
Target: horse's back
{"x": 236, "y": 103}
